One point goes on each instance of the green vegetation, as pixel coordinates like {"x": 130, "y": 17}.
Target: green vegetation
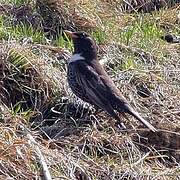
{"x": 21, "y": 31}
{"x": 16, "y": 2}
{"x": 76, "y": 142}
{"x": 63, "y": 42}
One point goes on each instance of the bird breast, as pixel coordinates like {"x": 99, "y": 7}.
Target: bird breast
{"x": 75, "y": 83}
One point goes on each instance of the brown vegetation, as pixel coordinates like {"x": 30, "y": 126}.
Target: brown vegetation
{"x": 76, "y": 142}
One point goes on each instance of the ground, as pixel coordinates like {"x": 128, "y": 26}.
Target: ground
{"x": 44, "y": 124}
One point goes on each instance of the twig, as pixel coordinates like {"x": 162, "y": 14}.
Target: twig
{"x": 42, "y": 161}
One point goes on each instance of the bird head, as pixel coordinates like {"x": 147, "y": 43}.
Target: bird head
{"x": 83, "y": 45}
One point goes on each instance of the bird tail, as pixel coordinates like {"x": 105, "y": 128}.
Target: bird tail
{"x": 138, "y": 117}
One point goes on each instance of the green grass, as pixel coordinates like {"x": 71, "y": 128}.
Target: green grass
{"x": 17, "y": 110}
{"x": 18, "y": 60}
{"x": 23, "y": 31}
{"x": 99, "y": 35}
{"x": 17, "y": 2}
{"x": 60, "y": 41}
{"x": 3, "y": 29}
{"x": 141, "y": 33}
{"x": 20, "y": 32}
{"x": 110, "y": 153}
{"x": 129, "y": 64}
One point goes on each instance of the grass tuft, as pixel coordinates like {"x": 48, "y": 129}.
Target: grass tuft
{"x": 76, "y": 142}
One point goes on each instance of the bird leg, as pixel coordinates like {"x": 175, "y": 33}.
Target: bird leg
{"x": 115, "y": 116}
{"x": 97, "y": 111}
{"x": 121, "y": 125}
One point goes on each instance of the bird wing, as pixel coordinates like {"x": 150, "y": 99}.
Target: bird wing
{"x": 97, "y": 89}
{"x": 94, "y": 88}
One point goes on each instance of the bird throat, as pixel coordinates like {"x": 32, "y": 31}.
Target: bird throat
{"x": 76, "y": 57}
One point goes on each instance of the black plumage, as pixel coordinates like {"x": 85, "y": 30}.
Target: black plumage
{"x": 89, "y": 81}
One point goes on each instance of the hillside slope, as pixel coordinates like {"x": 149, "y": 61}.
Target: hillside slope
{"x": 41, "y": 118}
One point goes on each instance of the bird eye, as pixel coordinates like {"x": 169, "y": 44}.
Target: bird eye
{"x": 83, "y": 35}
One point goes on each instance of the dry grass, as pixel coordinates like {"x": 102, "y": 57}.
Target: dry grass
{"x": 75, "y": 142}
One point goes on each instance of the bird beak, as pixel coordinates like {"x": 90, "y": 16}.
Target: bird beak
{"x": 70, "y": 34}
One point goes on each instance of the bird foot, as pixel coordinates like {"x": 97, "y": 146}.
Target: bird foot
{"x": 121, "y": 126}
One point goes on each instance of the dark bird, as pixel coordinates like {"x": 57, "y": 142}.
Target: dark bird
{"x": 170, "y": 38}
{"x": 89, "y": 81}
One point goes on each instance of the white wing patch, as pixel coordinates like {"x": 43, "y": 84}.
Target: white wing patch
{"x": 76, "y": 57}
